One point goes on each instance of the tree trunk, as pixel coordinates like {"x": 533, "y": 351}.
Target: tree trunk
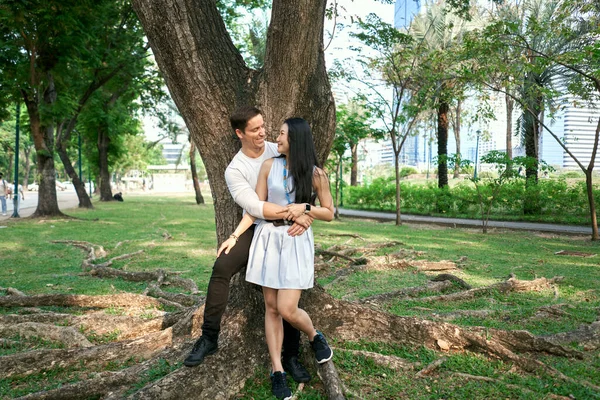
{"x": 103, "y": 143}
{"x": 589, "y": 180}
{"x": 442, "y": 138}
{"x": 199, "y": 198}
{"x": 457, "y": 138}
{"x": 208, "y": 79}
{"x": 354, "y": 166}
{"x": 397, "y": 170}
{"x": 43, "y": 139}
{"x": 82, "y": 195}
{"x": 27, "y": 155}
{"x": 532, "y": 130}
{"x": 510, "y": 104}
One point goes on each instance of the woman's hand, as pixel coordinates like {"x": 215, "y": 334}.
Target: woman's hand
{"x": 293, "y": 211}
{"x": 227, "y": 245}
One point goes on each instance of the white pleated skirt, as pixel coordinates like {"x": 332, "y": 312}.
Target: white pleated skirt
{"x": 279, "y": 261}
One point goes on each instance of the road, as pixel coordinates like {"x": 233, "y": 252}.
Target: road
{"x": 66, "y": 200}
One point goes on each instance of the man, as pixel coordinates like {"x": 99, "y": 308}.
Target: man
{"x": 241, "y": 176}
{"x": 4, "y": 192}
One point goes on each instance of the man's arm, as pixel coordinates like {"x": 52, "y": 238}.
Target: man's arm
{"x": 242, "y": 193}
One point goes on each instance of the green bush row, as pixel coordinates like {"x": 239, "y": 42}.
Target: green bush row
{"x": 552, "y": 197}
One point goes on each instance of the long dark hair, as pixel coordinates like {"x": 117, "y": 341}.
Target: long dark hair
{"x": 302, "y": 159}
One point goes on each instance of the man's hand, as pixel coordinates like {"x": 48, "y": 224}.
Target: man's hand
{"x": 301, "y": 224}
{"x": 293, "y": 211}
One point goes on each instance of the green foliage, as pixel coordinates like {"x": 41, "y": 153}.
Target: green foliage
{"x": 407, "y": 171}
{"x": 558, "y": 200}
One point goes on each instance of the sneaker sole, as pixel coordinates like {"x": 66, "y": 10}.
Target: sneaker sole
{"x": 193, "y": 364}
{"x": 326, "y": 359}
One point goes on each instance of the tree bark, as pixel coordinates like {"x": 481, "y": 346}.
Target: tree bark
{"x": 510, "y": 104}
{"x": 43, "y": 138}
{"x": 532, "y": 130}
{"x": 199, "y": 198}
{"x": 82, "y": 195}
{"x": 208, "y": 79}
{"x": 457, "y": 138}
{"x": 354, "y": 166}
{"x": 589, "y": 183}
{"x": 398, "y": 199}
{"x": 103, "y": 143}
{"x": 442, "y": 138}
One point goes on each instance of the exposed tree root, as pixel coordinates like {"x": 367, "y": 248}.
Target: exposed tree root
{"x": 586, "y": 335}
{"x": 431, "y": 367}
{"x": 510, "y": 285}
{"x": 118, "y": 258}
{"x": 409, "y": 292}
{"x": 62, "y": 334}
{"x": 12, "y": 291}
{"x": 437, "y": 284}
{"x": 128, "y": 300}
{"x": 24, "y": 364}
{"x": 107, "y": 382}
{"x": 184, "y": 299}
{"x": 154, "y": 335}
{"x": 450, "y": 316}
{"x": 391, "y": 362}
{"x": 433, "y": 265}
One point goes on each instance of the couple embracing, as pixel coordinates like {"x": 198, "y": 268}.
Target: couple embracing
{"x": 276, "y": 184}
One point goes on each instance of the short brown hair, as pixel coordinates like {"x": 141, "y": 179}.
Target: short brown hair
{"x": 240, "y": 117}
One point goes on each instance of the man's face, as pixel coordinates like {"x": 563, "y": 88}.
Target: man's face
{"x": 254, "y": 134}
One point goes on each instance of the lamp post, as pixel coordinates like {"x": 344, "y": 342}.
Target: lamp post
{"x": 16, "y": 191}
{"x": 476, "y": 154}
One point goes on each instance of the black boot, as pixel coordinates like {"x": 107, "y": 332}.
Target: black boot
{"x": 202, "y": 348}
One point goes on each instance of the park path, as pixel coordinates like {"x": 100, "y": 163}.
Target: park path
{"x": 66, "y": 200}
{"x": 469, "y": 223}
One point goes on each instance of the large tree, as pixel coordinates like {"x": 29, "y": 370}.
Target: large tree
{"x": 208, "y": 78}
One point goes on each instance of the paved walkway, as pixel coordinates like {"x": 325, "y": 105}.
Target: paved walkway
{"x": 470, "y": 223}
{"x": 66, "y": 200}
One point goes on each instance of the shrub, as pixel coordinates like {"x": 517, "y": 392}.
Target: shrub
{"x": 407, "y": 171}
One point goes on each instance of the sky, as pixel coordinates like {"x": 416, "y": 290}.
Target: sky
{"x": 337, "y": 49}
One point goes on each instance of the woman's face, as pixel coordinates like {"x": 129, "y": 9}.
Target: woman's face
{"x": 283, "y": 143}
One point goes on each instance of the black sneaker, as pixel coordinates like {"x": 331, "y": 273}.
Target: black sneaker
{"x": 323, "y": 352}
{"x": 202, "y": 348}
{"x": 279, "y": 386}
{"x": 292, "y": 366}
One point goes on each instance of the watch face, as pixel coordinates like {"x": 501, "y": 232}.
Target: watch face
{"x": 307, "y": 207}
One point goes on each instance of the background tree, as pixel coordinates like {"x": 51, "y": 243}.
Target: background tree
{"x": 442, "y": 32}
{"x": 34, "y": 53}
{"x": 390, "y": 84}
{"x": 566, "y": 32}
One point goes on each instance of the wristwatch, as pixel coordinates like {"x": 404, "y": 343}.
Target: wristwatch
{"x": 307, "y": 209}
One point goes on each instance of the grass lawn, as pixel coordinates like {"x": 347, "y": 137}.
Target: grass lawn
{"x": 31, "y": 263}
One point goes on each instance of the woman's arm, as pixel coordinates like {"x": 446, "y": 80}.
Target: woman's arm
{"x": 242, "y": 227}
{"x": 324, "y": 211}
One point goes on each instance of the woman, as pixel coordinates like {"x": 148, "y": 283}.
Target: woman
{"x": 281, "y": 264}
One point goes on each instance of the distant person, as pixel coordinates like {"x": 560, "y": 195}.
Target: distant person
{"x": 4, "y": 192}
{"x": 118, "y": 196}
